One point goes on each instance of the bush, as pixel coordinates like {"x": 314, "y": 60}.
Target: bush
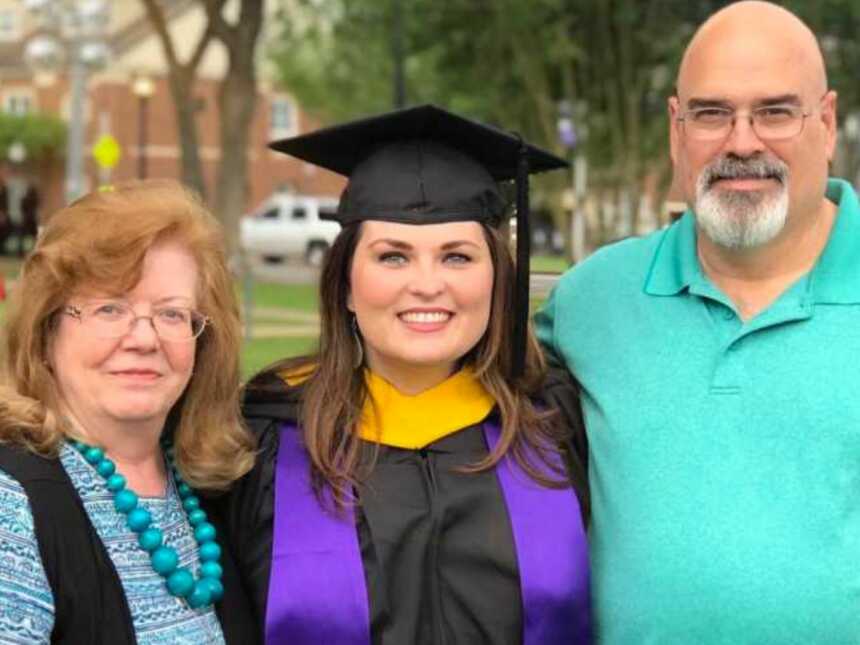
{"x": 42, "y": 135}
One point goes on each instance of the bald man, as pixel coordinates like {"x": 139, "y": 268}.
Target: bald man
{"x": 720, "y": 363}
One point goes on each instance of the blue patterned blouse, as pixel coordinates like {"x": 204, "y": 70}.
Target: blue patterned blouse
{"x": 26, "y": 603}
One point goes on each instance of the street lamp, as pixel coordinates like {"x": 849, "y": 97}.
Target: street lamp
{"x": 143, "y": 88}
{"x": 572, "y": 138}
{"x": 72, "y": 32}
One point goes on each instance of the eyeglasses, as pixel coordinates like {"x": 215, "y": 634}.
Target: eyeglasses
{"x": 116, "y": 319}
{"x": 769, "y": 122}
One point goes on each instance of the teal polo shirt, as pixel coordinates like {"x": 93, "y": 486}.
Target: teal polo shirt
{"x": 724, "y": 455}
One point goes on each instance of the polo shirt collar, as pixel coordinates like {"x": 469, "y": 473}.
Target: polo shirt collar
{"x": 675, "y": 265}
{"x": 834, "y": 279}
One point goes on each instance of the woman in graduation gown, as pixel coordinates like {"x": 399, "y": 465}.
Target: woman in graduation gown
{"x": 416, "y": 483}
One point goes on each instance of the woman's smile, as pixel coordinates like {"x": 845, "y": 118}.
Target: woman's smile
{"x": 426, "y": 320}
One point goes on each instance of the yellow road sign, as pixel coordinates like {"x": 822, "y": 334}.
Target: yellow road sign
{"x": 106, "y": 151}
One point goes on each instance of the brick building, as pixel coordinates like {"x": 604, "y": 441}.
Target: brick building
{"x": 113, "y": 108}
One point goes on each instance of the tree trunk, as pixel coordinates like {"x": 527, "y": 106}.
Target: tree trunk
{"x": 182, "y": 89}
{"x": 236, "y": 100}
{"x": 180, "y": 78}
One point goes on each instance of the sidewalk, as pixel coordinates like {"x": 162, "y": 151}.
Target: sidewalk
{"x": 277, "y": 322}
{"x": 285, "y": 314}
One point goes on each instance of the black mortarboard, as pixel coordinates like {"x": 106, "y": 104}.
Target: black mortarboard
{"x": 425, "y": 165}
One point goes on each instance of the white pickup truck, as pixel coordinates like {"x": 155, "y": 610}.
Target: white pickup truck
{"x": 289, "y": 226}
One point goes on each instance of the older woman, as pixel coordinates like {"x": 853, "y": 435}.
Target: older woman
{"x": 412, "y": 487}
{"x": 122, "y": 345}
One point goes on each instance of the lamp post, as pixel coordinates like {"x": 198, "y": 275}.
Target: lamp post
{"x": 143, "y": 88}
{"x": 572, "y": 138}
{"x": 71, "y": 33}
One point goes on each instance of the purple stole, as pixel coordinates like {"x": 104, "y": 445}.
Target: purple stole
{"x": 317, "y": 591}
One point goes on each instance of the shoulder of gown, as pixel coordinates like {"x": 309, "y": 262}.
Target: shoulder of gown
{"x": 560, "y": 391}
{"x": 245, "y": 513}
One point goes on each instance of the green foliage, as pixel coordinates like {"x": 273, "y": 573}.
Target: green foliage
{"x": 42, "y": 135}
{"x": 334, "y": 56}
{"x": 508, "y": 62}
{"x": 515, "y": 63}
{"x": 836, "y": 24}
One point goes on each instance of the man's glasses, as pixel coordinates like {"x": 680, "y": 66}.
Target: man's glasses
{"x": 769, "y": 122}
{"x": 112, "y": 319}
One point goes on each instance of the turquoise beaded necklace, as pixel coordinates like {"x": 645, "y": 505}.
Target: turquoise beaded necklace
{"x": 164, "y": 559}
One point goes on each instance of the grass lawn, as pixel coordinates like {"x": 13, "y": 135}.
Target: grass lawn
{"x": 288, "y": 296}
{"x": 549, "y": 264}
{"x": 258, "y": 353}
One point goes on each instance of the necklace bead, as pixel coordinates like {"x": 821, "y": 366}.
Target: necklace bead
{"x": 205, "y": 532}
{"x": 210, "y": 552}
{"x": 105, "y": 468}
{"x": 216, "y": 588}
{"x": 150, "y": 539}
{"x": 211, "y": 570}
{"x": 125, "y": 500}
{"x": 164, "y": 560}
{"x": 180, "y": 582}
{"x": 196, "y": 517}
{"x": 139, "y": 519}
{"x": 199, "y": 596}
{"x": 94, "y": 455}
{"x": 115, "y": 483}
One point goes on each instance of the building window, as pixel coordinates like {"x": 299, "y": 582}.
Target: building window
{"x": 9, "y": 25}
{"x": 282, "y": 118}
{"x": 19, "y": 103}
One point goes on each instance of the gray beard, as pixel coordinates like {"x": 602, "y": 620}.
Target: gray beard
{"x": 739, "y": 220}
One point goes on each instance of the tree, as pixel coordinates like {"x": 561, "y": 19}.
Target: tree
{"x": 180, "y": 77}
{"x": 836, "y": 22}
{"x": 515, "y": 63}
{"x": 237, "y": 98}
{"x": 43, "y": 136}
{"x": 338, "y": 58}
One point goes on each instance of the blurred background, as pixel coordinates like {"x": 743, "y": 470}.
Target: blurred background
{"x": 97, "y": 91}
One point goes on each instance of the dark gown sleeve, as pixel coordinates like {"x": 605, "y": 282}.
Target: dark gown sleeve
{"x": 245, "y": 514}
{"x": 237, "y": 618}
{"x": 560, "y": 391}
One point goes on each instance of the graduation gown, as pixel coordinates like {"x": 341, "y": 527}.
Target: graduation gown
{"x": 436, "y": 545}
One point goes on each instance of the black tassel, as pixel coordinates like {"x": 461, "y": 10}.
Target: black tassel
{"x": 521, "y": 297}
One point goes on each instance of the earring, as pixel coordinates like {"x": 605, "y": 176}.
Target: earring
{"x": 359, "y": 357}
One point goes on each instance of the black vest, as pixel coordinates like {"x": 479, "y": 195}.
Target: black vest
{"x": 89, "y": 601}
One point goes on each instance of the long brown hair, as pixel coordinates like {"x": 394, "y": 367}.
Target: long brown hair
{"x": 100, "y": 241}
{"x": 335, "y": 392}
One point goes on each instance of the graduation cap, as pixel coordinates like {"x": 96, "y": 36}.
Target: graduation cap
{"x": 425, "y": 165}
